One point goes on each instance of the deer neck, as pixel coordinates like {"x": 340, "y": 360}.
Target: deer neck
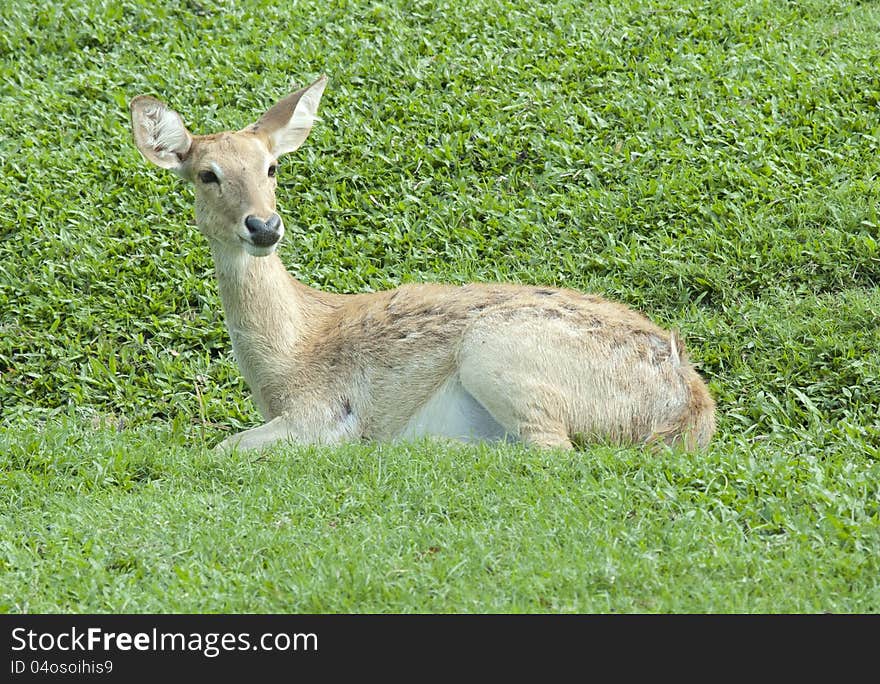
{"x": 259, "y": 296}
{"x": 269, "y": 315}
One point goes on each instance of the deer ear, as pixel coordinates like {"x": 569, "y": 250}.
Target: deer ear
{"x": 288, "y": 123}
{"x": 159, "y": 133}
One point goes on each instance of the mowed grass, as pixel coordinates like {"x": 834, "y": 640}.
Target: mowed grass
{"x": 141, "y": 522}
{"x": 713, "y": 164}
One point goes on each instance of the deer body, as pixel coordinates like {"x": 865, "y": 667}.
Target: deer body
{"x": 548, "y": 366}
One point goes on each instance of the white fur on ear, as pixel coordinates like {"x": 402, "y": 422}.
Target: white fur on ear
{"x": 159, "y": 132}
{"x": 294, "y": 132}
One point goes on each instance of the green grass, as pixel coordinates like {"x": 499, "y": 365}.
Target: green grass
{"x": 139, "y": 525}
{"x": 715, "y": 165}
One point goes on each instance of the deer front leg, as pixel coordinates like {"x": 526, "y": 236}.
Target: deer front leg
{"x": 276, "y": 430}
{"x": 322, "y": 425}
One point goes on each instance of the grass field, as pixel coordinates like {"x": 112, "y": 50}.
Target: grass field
{"x": 715, "y": 165}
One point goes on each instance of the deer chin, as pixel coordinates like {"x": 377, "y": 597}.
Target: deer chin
{"x": 257, "y": 250}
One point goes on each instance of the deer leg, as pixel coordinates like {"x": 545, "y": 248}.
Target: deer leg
{"x": 546, "y": 438}
{"x": 505, "y": 368}
{"x": 526, "y": 410}
{"x": 276, "y": 430}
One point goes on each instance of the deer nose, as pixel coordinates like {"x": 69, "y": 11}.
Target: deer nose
{"x": 264, "y": 233}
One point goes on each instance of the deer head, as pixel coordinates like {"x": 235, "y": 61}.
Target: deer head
{"x": 233, "y": 171}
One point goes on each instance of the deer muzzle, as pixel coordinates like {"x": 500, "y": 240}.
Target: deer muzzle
{"x": 264, "y": 233}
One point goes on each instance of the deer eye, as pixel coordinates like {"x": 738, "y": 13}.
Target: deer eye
{"x": 273, "y": 169}
{"x": 208, "y": 177}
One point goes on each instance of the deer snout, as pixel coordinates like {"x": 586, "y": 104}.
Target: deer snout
{"x": 264, "y": 233}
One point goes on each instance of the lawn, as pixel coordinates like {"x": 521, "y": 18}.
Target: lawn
{"x": 715, "y": 165}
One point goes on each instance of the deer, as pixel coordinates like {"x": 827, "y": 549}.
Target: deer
{"x": 549, "y": 367}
